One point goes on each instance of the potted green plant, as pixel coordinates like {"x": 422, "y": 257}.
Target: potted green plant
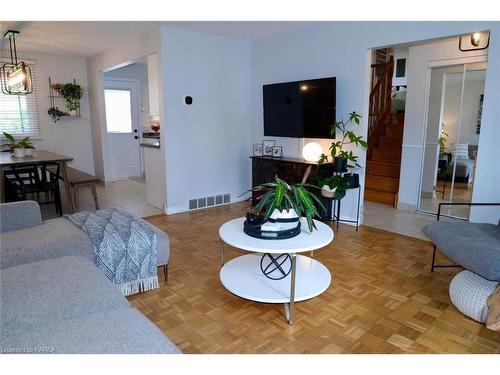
{"x": 28, "y": 147}
{"x": 334, "y": 187}
{"x": 18, "y": 148}
{"x": 55, "y": 113}
{"x": 72, "y": 93}
{"x": 282, "y": 200}
{"x": 340, "y": 156}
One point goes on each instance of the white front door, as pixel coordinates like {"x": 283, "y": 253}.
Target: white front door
{"x": 122, "y": 124}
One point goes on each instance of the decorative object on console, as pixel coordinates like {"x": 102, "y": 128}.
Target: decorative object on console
{"x": 257, "y": 149}
{"x": 312, "y": 151}
{"x": 287, "y": 202}
{"x": 340, "y": 157}
{"x": 277, "y": 152}
{"x": 15, "y": 77}
{"x": 267, "y": 147}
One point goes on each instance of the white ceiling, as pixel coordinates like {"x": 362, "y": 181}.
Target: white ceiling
{"x": 86, "y": 39}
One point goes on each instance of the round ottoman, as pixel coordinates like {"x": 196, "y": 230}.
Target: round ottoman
{"x": 469, "y": 292}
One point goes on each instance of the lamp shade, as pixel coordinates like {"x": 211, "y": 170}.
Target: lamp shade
{"x": 312, "y": 151}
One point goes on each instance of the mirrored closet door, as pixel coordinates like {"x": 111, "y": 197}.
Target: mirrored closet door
{"x": 454, "y": 109}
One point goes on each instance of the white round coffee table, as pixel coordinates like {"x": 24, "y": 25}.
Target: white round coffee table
{"x": 291, "y": 277}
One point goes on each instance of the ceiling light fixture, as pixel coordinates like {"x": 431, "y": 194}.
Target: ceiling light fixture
{"x": 15, "y": 77}
{"x": 474, "y": 42}
{"x": 475, "y": 39}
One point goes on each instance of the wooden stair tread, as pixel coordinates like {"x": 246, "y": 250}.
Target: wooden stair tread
{"x": 379, "y": 196}
{"x": 391, "y": 163}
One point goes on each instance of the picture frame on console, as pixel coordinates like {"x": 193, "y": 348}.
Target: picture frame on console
{"x": 257, "y": 149}
{"x": 267, "y": 147}
{"x": 277, "y": 152}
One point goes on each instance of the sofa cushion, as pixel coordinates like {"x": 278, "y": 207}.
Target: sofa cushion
{"x": 476, "y": 247}
{"x": 121, "y": 331}
{"x": 53, "y": 239}
{"x": 17, "y": 215}
{"x": 36, "y": 294}
{"x": 57, "y": 238}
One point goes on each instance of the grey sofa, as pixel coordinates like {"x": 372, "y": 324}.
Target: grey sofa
{"x": 474, "y": 246}
{"x": 54, "y": 303}
{"x": 25, "y": 238}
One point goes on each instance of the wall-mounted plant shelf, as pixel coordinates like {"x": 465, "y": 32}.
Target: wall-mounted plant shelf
{"x": 70, "y": 93}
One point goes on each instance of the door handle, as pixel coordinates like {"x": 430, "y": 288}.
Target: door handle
{"x": 136, "y": 137}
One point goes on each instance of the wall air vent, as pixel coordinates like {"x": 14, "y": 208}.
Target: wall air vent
{"x": 210, "y": 201}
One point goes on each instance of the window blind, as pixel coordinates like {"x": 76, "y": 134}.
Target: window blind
{"x": 19, "y": 113}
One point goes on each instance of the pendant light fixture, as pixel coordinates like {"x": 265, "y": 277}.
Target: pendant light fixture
{"x": 15, "y": 77}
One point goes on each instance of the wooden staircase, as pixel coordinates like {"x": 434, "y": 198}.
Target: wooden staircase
{"x": 385, "y": 139}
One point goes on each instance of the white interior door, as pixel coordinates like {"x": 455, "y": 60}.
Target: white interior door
{"x": 122, "y": 124}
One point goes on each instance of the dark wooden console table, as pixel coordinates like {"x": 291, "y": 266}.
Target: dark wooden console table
{"x": 265, "y": 168}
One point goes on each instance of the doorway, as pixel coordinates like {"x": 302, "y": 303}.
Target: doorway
{"x": 122, "y": 124}
{"x": 456, "y": 93}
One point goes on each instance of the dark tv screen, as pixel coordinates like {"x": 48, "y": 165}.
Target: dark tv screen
{"x": 301, "y": 109}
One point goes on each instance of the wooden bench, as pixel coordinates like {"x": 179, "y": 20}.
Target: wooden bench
{"x": 79, "y": 179}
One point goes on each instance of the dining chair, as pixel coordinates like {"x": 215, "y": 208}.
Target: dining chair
{"x": 32, "y": 180}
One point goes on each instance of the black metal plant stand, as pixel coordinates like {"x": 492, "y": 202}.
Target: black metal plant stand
{"x": 333, "y": 210}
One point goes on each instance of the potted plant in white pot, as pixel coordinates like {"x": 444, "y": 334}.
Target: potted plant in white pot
{"x": 334, "y": 187}
{"x": 17, "y": 148}
{"x": 282, "y": 201}
{"x": 340, "y": 156}
{"x": 27, "y": 146}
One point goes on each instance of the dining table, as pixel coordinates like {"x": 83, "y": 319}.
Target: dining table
{"x": 39, "y": 157}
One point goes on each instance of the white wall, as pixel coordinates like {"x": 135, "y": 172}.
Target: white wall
{"x": 119, "y": 56}
{"x": 208, "y": 143}
{"x": 69, "y": 136}
{"x": 136, "y": 72}
{"x": 341, "y": 49}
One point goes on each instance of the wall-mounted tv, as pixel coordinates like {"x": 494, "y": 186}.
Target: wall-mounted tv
{"x": 301, "y": 109}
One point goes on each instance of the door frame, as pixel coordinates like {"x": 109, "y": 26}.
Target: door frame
{"x": 431, "y": 65}
{"x": 108, "y": 85}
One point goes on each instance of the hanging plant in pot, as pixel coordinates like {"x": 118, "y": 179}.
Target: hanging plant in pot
{"x": 340, "y": 156}
{"x": 55, "y": 113}
{"x": 72, "y": 93}
{"x": 280, "y": 208}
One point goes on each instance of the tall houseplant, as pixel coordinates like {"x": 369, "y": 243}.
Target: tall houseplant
{"x": 283, "y": 197}
{"x": 340, "y": 156}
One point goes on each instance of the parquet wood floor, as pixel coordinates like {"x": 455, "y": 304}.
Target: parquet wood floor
{"x": 383, "y": 298}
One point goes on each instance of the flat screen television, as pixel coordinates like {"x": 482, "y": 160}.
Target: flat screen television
{"x": 301, "y": 109}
